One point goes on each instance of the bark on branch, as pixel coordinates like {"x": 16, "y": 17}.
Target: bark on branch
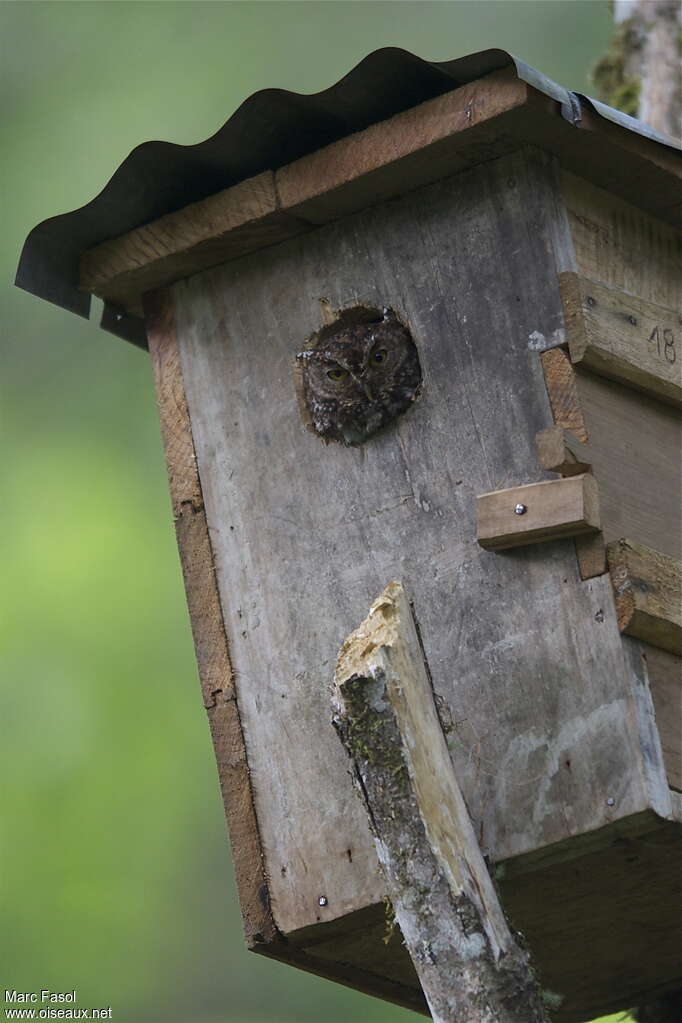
{"x": 471, "y": 968}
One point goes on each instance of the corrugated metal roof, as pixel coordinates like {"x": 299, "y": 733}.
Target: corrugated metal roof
{"x": 270, "y": 129}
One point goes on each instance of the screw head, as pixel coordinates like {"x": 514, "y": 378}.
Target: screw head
{"x": 322, "y": 901}
{"x": 520, "y": 509}
{"x": 610, "y": 801}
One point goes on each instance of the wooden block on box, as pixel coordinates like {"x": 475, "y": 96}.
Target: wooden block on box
{"x": 623, "y": 337}
{"x": 648, "y": 592}
{"x": 537, "y": 512}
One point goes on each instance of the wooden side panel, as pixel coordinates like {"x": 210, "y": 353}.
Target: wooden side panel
{"x": 635, "y": 444}
{"x": 213, "y": 658}
{"x": 665, "y": 679}
{"x": 621, "y": 246}
{"x": 527, "y": 658}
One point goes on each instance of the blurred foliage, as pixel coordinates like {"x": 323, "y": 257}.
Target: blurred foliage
{"x": 115, "y": 875}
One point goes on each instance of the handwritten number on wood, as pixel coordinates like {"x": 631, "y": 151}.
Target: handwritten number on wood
{"x": 665, "y": 344}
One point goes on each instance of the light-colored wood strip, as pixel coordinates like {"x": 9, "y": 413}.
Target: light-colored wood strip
{"x": 413, "y": 148}
{"x": 665, "y": 680}
{"x": 648, "y": 592}
{"x": 623, "y": 337}
{"x": 562, "y": 392}
{"x": 387, "y": 720}
{"x": 214, "y": 230}
{"x": 208, "y": 629}
{"x": 537, "y": 512}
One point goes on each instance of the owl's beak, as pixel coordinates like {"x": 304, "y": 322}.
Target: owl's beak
{"x": 358, "y": 378}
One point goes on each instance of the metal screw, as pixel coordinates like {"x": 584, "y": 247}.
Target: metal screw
{"x": 322, "y": 901}
{"x": 610, "y": 801}
{"x": 520, "y": 509}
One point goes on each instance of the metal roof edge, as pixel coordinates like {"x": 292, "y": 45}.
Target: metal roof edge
{"x": 271, "y": 128}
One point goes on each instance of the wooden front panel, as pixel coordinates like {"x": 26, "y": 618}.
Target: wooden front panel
{"x": 526, "y": 657}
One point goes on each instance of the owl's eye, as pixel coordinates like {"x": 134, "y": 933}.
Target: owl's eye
{"x": 379, "y": 356}
{"x": 337, "y": 374}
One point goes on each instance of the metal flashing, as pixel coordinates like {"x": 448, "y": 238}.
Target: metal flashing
{"x": 271, "y": 128}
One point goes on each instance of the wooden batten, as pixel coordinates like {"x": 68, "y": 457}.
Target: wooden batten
{"x": 648, "y": 592}
{"x": 537, "y": 512}
{"x": 562, "y": 391}
{"x": 473, "y": 124}
{"x": 624, "y": 337}
{"x": 559, "y": 450}
{"x": 213, "y": 660}
{"x": 420, "y": 145}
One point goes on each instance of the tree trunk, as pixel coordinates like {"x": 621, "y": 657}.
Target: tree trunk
{"x": 640, "y": 73}
{"x": 471, "y": 968}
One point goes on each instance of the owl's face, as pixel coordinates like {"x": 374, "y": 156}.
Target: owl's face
{"x": 358, "y": 379}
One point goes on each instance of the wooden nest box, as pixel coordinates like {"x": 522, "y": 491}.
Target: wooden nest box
{"x": 525, "y": 242}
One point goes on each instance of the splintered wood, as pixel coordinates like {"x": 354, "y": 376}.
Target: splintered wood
{"x": 469, "y": 965}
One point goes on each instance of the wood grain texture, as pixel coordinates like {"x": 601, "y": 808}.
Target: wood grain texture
{"x": 553, "y": 509}
{"x": 563, "y": 392}
{"x": 213, "y": 660}
{"x": 635, "y": 444}
{"x": 665, "y": 679}
{"x": 623, "y": 337}
{"x": 239, "y": 219}
{"x": 305, "y": 534}
{"x": 621, "y": 246}
{"x": 413, "y": 148}
{"x": 648, "y": 593}
{"x": 469, "y": 963}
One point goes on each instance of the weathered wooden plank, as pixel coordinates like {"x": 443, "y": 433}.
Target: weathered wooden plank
{"x": 237, "y": 220}
{"x": 208, "y": 630}
{"x": 305, "y": 534}
{"x": 648, "y": 591}
{"x": 635, "y": 444}
{"x": 537, "y": 512}
{"x": 621, "y": 246}
{"x": 665, "y": 680}
{"x": 623, "y": 337}
{"x": 563, "y": 393}
{"x": 469, "y": 964}
{"x": 413, "y": 148}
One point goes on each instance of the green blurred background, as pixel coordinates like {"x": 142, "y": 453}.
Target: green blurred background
{"x": 115, "y": 875}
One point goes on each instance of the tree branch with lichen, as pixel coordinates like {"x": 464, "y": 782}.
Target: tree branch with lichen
{"x": 471, "y": 967}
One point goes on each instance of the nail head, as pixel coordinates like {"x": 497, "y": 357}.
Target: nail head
{"x": 520, "y": 509}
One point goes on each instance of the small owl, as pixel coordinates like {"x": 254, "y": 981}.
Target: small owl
{"x": 358, "y": 378}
